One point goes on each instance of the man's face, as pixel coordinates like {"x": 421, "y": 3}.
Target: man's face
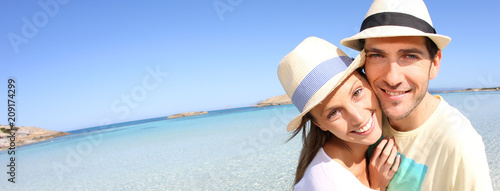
{"x": 399, "y": 69}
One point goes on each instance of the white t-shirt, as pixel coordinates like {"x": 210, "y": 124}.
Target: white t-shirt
{"x": 444, "y": 153}
{"x": 326, "y": 174}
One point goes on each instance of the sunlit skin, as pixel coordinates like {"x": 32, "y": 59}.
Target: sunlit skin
{"x": 399, "y": 70}
{"x": 349, "y": 108}
{"x": 346, "y": 110}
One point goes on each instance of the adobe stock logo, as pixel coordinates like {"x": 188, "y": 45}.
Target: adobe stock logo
{"x": 31, "y": 26}
{"x": 222, "y": 7}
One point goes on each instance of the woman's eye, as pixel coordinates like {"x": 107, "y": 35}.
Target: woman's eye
{"x": 333, "y": 113}
{"x": 357, "y": 92}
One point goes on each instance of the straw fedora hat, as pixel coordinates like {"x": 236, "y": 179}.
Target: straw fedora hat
{"x": 391, "y": 18}
{"x": 313, "y": 70}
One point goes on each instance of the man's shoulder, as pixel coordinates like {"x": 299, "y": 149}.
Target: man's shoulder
{"x": 453, "y": 127}
{"x": 451, "y": 120}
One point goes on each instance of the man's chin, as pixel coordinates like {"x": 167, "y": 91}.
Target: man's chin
{"x": 396, "y": 113}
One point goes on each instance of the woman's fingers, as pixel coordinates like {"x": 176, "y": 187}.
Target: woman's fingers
{"x": 388, "y": 149}
{"x": 395, "y": 168}
{"x": 378, "y": 150}
{"x": 384, "y": 156}
{"x": 391, "y": 158}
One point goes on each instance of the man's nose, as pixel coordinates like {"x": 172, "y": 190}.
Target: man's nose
{"x": 393, "y": 76}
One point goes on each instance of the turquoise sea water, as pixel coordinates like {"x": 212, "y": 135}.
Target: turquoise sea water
{"x": 238, "y": 149}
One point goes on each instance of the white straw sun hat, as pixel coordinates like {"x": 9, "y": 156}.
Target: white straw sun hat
{"x": 391, "y": 18}
{"x": 313, "y": 70}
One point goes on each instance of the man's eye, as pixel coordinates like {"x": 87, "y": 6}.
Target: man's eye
{"x": 411, "y": 56}
{"x": 374, "y": 55}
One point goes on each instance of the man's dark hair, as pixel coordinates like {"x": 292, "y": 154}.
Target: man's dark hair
{"x": 431, "y": 46}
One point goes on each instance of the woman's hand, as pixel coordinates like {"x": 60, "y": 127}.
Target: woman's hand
{"x": 379, "y": 168}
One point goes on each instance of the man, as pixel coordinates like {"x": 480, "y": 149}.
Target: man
{"x": 440, "y": 149}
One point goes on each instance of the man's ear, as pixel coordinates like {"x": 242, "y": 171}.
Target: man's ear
{"x": 435, "y": 65}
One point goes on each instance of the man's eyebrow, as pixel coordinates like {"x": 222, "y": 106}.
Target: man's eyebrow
{"x": 375, "y": 50}
{"x": 409, "y": 51}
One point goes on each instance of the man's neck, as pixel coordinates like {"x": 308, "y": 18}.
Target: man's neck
{"x": 418, "y": 116}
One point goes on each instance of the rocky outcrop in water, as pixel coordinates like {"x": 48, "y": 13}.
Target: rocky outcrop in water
{"x": 25, "y": 135}
{"x": 185, "y": 114}
{"x": 277, "y": 100}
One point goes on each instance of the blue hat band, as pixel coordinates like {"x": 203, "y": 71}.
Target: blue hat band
{"x": 317, "y": 78}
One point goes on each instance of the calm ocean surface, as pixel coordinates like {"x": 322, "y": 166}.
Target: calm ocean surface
{"x": 238, "y": 149}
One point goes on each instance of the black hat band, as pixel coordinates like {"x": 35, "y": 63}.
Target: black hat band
{"x": 397, "y": 19}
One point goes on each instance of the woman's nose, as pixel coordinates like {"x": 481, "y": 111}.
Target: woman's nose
{"x": 356, "y": 117}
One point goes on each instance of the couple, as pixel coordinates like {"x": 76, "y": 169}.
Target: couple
{"x": 429, "y": 146}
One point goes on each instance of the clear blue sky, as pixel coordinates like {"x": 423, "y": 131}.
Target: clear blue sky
{"x": 92, "y": 62}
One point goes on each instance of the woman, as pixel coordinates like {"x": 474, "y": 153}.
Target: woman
{"x": 343, "y": 116}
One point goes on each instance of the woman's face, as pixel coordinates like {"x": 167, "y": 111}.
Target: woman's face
{"x": 351, "y": 112}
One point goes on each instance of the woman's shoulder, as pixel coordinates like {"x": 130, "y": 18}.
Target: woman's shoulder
{"x": 322, "y": 164}
{"x": 325, "y": 173}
